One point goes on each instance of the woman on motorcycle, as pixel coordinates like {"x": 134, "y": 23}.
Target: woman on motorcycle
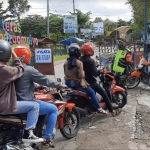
{"x": 74, "y": 75}
{"x": 25, "y": 91}
{"x": 91, "y": 73}
{"x": 8, "y": 100}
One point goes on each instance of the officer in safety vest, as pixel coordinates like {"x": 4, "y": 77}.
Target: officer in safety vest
{"x": 122, "y": 58}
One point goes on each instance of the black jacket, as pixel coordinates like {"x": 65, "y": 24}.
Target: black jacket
{"x": 90, "y": 69}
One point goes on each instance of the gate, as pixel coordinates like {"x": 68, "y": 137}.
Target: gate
{"x": 136, "y": 49}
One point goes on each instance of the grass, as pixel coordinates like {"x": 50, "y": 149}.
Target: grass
{"x": 60, "y": 57}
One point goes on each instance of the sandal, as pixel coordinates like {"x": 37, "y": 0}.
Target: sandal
{"x": 116, "y": 112}
{"x": 49, "y": 143}
{"x": 101, "y": 110}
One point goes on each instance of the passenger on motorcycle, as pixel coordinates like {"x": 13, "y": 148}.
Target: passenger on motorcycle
{"x": 74, "y": 75}
{"x": 91, "y": 73}
{"x": 8, "y": 99}
{"x": 25, "y": 91}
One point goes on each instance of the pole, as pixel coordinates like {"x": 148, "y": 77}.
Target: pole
{"x": 145, "y": 29}
{"x": 116, "y": 31}
{"x": 73, "y": 7}
{"x": 48, "y": 35}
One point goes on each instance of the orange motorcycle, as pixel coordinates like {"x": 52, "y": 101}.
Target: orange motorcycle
{"x": 139, "y": 74}
{"x": 12, "y": 126}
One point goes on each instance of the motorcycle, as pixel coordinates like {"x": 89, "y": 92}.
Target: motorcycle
{"x": 139, "y": 74}
{"x": 12, "y": 126}
{"x": 82, "y": 100}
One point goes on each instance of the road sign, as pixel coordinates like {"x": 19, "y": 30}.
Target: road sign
{"x": 70, "y": 24}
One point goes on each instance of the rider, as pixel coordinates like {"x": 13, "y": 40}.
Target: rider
{"x": 25, "y": 91}
{"x": 91, "y": 73}
{"x": 74, "y": 75}
{"x": 122, "y": 58}
{"x": 8, "y": 100}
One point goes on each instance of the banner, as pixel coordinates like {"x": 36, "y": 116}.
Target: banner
{"x": 98, "y": 29}
{"x": 86, "y": 32}
{"x": 43, "y": 56}
{"x": 70, "y": 24}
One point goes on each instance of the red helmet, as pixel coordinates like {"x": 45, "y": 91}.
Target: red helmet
{"x": 24, "y": 54}
{"x": 87, "y": 49}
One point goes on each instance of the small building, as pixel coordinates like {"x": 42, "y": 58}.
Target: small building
{"x": 123, "y": 32}
{"x": 46, "y": 42}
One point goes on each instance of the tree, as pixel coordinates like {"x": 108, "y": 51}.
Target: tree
{"x": 18, "y": 7}
{"x": 98, "y": 19}
{"x": 3, "y": 13}
{"x": 83, "y": 19}
{"x": 34, "y": 25}
{"x": 137, "y": 7}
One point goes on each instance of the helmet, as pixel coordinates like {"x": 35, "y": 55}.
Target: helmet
{"x": 23, "y": 53}
{"x": 87, "y": 49}
{"x": 5, "y": 51}
{"x": 74, "y": 50}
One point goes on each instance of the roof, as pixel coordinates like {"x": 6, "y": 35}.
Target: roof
{"x": 121, "y": 31}
{"x": 46, "y": 40}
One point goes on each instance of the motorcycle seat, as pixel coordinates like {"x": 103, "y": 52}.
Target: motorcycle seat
{"x": 13, "y": 118}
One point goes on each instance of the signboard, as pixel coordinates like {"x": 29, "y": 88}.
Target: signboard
{"x": 70, "y": 24}
{"x": 43, "y": 56}
{"x": 11, "y": 27}
{"x": 98, "y": 29}
{"x": 87, "y": 32}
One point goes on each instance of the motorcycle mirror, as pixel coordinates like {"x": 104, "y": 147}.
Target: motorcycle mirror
{"x": 58, "y": 79}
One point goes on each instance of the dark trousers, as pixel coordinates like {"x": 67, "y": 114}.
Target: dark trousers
{"x": 97, "y": 88}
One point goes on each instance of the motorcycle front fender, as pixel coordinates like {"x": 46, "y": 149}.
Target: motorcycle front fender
{"x": 60, "y": 119}
{"x": 118, "y": 89}
{"x": 70, "y": 106}
{"x": 136, "y": 74}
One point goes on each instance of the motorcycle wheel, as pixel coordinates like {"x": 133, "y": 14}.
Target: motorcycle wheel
{"x": 119, "y": 100}
{"x": 133, "y": 82}
{"x": 8, "y": 137}
{"x": 69, "y": 129}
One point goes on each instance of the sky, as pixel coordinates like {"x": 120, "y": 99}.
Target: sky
{"x": 111, "y": 9}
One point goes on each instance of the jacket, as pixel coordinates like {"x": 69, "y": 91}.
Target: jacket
{"x": 76, "y": 73}
{"x": 120, "y": 63}
{"x": 90, "y": 69}
{"x": 25, "y": 85}
{"x": 7, "y": 89}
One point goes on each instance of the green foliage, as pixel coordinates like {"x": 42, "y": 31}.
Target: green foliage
{"x": 34, "y": 25}
{"x": 3, "y": 13}
{"x": 18, "y": 7}
{"x": 60, "y": 57}
{"x": 136, "y": 32}
{"x": 138, "y": 11}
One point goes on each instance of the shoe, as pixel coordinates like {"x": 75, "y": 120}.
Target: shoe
{"x": 32, "y": 138}
{"x": 116, "y": 112}
{"x": 101, "y": 110}
{"x": 49, "y": 143}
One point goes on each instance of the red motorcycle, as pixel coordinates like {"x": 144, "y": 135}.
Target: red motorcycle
{"x": 82, "y": 100}
{"x": 12, "y": 126}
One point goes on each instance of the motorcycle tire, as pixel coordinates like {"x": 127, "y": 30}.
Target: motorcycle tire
{"x": 135, "y": 82}
{"x": 67, "y": 122}
{"x": 8, "y": 137}
{"x": 119, "y": 103}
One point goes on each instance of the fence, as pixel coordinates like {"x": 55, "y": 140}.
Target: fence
{"x": 59, "y": 52}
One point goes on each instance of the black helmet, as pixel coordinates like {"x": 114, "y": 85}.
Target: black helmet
{"x": 5, "y": 51}
{"x": 74, "y": 50}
